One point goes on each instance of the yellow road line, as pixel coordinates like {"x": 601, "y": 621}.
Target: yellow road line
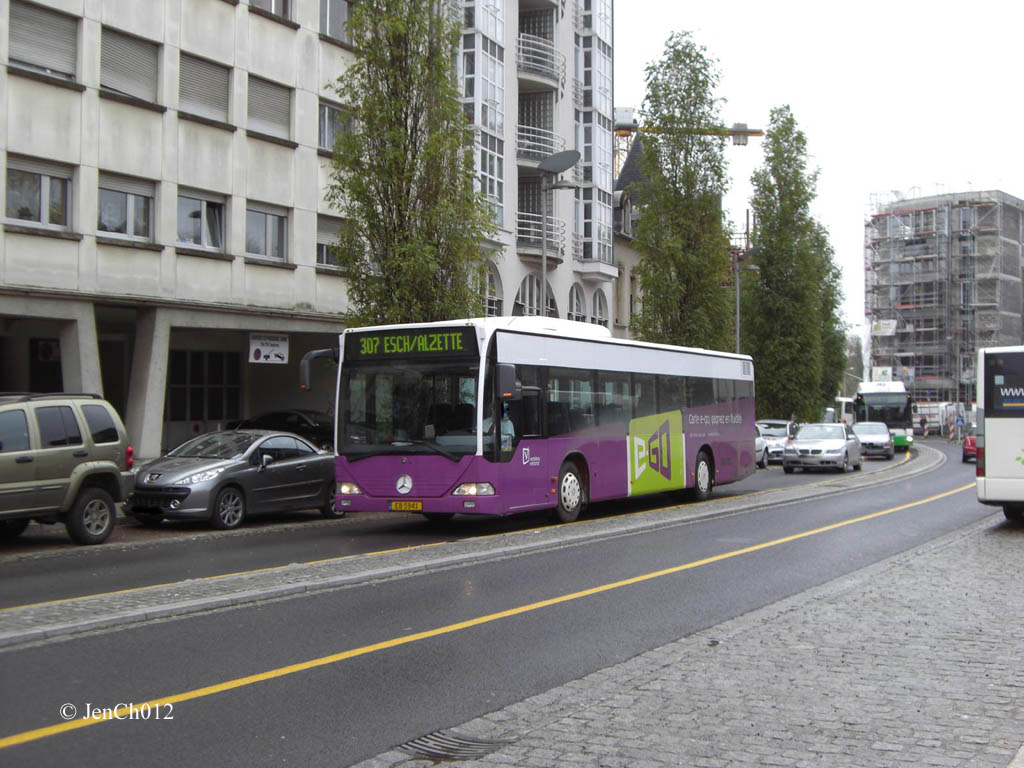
{"x": 241, "y": 682}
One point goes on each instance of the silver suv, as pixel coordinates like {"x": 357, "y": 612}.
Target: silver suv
{"x": 63, "y": 458}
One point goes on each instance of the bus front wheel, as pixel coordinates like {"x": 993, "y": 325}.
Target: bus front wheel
{"x": 572, "y": 493}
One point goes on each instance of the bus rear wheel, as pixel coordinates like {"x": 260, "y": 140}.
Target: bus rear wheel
{"x": 572, "y": 493}
{"x": 703, "y": 477}
{"x": 1014, "y": 512}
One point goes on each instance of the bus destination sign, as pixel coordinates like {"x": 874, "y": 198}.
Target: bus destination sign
{"x": 412, "y": 343}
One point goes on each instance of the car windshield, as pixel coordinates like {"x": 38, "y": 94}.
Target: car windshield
{"x": 217, "y": 445}
{"x": 871, "y": 429}
{"x": 773, "y": 429}
{"x": 821, "y": 432}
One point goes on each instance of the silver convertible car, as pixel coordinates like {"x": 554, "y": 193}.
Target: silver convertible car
{"x": 224, "y": 476}
{"x": 822, "y": 446}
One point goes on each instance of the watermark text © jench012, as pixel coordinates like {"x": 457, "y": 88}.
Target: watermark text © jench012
{"x": 119, "y": 712}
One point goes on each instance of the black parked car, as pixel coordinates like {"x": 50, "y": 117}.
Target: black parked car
{"x": 316, "y": 427}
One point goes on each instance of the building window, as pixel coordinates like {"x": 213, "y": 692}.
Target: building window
{"x": 327, "y": 229}
{"x": 266, "y": 231}
{"x": 334, "y": 19}
{"x": 334, "y": 121}
{"x": 201, "y": 221}
{"x": 276, "y": 7}
{"x": 492, "y": 86}
{"x": 492, "y": 294}
{"x": 600, "y": 316}
{"x": 270, "y": 108}
{"x": 203, "y": 386}
{"x": 492, "y": 174}
{"x": 125, "y": 207}
{"x": 528, "y": 298}
{"x": 128, "y": 65}
{"x": 577, "y": 304}
{"x": 42, "y": 40}
{"x": 203, "y": 88}
{"x": 38, "y": 191}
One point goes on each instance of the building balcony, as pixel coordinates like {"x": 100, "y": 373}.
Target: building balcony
{"x": 541, "y": 66}
{"x": 530, "y": 236}
{"x": 535, "y": 144}
{"x": 595, "y": 270}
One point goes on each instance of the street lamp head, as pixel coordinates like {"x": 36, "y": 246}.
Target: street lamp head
{"x": 559, "y": 162}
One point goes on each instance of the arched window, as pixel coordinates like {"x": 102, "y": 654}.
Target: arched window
{"x": 492, "y": 294}
{"x": 528, "y": 298}
{"x": 600, "y": 316}
{"x": 577, "y": 304}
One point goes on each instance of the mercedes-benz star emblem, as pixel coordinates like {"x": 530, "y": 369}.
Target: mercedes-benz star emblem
{"x": 403, "y": 484}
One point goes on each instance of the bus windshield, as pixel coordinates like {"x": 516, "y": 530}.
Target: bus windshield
{"x": 399, "y": 407}
{"x": 892, "y": 409}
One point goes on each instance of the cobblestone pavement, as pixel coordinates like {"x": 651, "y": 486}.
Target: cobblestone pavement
{"x": 918, "y": 661}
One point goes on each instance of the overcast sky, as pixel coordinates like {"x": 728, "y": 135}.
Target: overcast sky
{"x": 909, "y": 96}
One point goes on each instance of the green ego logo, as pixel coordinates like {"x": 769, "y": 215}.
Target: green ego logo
{"x": 655, "y": 453}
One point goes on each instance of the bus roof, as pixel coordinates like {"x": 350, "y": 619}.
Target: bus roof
{"x": 877, "y": 387}
{"x": 548, "y": 326}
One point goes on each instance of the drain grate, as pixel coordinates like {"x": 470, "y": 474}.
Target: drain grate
{"x": 446, "y": 746}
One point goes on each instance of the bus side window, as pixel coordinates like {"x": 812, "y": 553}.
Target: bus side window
{"x": 672, "y": 394}
{"x": 644, "y": 401}
{"x": 614, "y": 404}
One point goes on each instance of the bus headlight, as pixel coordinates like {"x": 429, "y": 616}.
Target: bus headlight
{"x": 349, "y": 489}
{"x": 474, "y": 489}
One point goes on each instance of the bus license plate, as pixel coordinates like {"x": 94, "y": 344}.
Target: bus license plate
{"x": 406, "y": 506}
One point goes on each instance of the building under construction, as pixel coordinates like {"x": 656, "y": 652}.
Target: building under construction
{"x": 943, "y": 280}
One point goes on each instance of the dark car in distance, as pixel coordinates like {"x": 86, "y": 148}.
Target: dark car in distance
{"x": 315, "y": 426}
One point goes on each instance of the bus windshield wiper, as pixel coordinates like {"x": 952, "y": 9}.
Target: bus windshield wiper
{"x": 390, "y": 450}
{"x": 432, "y": 446}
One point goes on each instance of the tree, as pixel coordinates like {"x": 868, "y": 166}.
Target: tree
{"x": 412, "y": 239}
{"x": 854, "y": 364}
{"x": 681, "y": 234}
{"x": 792, "y": 325}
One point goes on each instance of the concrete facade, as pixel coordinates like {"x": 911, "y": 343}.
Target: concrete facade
{"x": 166, "y": 164}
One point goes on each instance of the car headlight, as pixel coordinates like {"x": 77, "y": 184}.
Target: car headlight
{"x": 200, "y": 477}
{"x": 833, "y": 451}
{"x": 474, "y": 489}
{"x": 349, "y": 489}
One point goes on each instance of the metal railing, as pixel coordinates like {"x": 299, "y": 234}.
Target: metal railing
{"x": 537, "y": 143}
{"x": 538, "y": 56}
{"x": 529, "y": 233}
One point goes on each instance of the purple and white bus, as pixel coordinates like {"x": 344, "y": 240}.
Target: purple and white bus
{"x": 502, "y": 415}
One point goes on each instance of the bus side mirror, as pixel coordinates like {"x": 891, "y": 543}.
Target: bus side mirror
{"x": 509, "y": 388}
{"x": 306, "y": 365}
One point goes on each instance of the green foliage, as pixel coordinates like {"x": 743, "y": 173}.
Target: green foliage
{"x": 681, "y": 233}
{"x": 791, "y": 320}
{"x": 412, "y": 241}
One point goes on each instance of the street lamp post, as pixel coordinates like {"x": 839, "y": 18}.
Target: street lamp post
{"x": 737, "y": 268}
{"x": 552, "y": 165}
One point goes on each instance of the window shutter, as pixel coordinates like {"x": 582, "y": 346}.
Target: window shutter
{"x": 126, "y": 184}
{"x": 270, "y": 107}
{"x": 43, "y": 39}
{"x": 327, "y": 229}
{"x": 203, "y": 88}
{"x": 128, "y": 64}
{"x": 42, "y": 167}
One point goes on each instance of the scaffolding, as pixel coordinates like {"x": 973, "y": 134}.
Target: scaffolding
{"x": 942, "y": 279}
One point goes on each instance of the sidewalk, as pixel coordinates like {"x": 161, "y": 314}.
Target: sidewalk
{"x": 918, "y": 661}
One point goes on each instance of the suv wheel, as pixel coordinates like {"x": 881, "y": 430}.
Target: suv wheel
{"x": 91, "y": 519}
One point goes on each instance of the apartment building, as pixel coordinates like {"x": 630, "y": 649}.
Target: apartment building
{"x": 165, "y": 228}
{"x": 943, "y": 279}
